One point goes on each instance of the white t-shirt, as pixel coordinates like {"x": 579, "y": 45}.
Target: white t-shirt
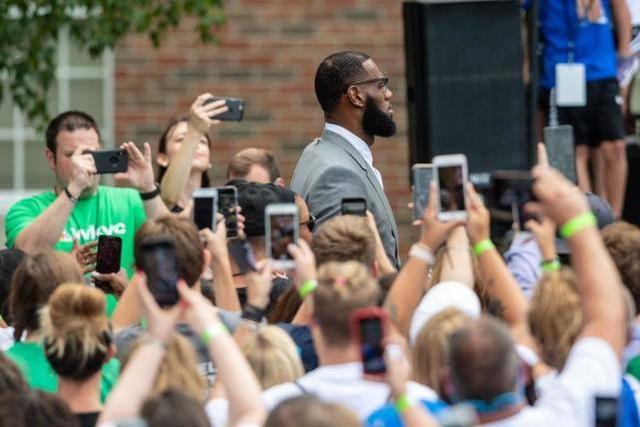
{"x": 341, "y": 384}
{"x": 634, "y": 11}
{"x": 592, "y": 369}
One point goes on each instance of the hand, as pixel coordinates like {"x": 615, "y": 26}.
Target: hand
{"x": 305, "y": 262}
{"x": 139, "y": 175}
{"x": 398, "y": 368}
{"x": 479, "y": 220}
{"x": 117, "y": 282}
{"x": 259, "y": 285}
{"x": 200, "y": 313}
{"x": 161, "y": 323}
{"x": 83, "y": 171}
{"x": 86, "y": 255}
{"x": 200, "y": 115}
{"x": 544, "y": 230}
{"x": 434, "y": 231}
{"x": 558, "y": 198}
{"x": 543, "y": 159}
{"x": 216, "y": 243}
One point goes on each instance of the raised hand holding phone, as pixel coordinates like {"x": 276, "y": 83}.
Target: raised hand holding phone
{"x": 369, "y": 329}
{"x": 202, "y": 114}
{"x": 435, "y": 232}
{"x": 450, "y": 175}
{"x": 282, "y": 229}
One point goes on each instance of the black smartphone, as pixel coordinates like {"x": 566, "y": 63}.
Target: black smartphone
{"x": 368, "y": 328}
{"x": 606, "y": 411}
{"x": 354, "y": 206}
{"x": 159, "y": 264}
{"x": 510, "y": 191}
{"x": 421, "y": 177}
{"x": 242, "y": 254}
{"x": 236, "y": 109}
{"x": 110, "y": 161}
{"x": 227, "y": 206}
{"x": 205, "y": 206}
{"x": 108, "y": 259}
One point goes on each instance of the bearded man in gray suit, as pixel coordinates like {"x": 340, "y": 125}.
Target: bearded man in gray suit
{"x": 354, "y": 96}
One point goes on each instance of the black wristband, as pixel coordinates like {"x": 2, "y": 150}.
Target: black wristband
{"x": 151, "y": 194}
{"x": 253, "y": 313}
{"x": 73, "y": 199}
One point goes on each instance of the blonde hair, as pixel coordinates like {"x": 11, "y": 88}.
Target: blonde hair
{"x": 431, "y": 349}
{"x": 273, "y": 356}
{"x": 76, "y": 332}
{"x": 342, "y": 288}
{"x": 555, "y": 317}
{"x": 178, "y": 370}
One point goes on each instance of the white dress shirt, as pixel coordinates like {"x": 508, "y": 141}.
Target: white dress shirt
{"x": 358, "y": 144}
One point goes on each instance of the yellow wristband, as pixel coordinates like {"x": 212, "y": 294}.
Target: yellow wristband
{"x": 577, "y": 224}
{"x": 483, "y": 246}
{"x": 307, "y": 288}
{"x": 212, "y": 331}
{"x": 403, "y": 403}
{"x": 548, "y": 266}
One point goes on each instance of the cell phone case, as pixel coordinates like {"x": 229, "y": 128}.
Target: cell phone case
{"x": 110, "y": 161}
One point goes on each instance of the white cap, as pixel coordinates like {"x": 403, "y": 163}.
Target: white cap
{"x": 441, "y": 296}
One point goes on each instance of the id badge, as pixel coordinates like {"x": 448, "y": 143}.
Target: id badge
{"x": 571, "y": 85}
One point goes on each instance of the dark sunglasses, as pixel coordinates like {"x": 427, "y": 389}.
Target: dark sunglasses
{"x": 310, "y": 223}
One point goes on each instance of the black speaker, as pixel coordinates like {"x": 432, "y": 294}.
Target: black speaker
{"x": 465, "y": 91}
{"x": 631, "y": 211}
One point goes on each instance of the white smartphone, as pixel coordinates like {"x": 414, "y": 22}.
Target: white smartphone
{"x": 421, "y": 174}
{"x": 450, "y": 175}
{"x": 205, "y": 206}
{"x": 282, "y": 227}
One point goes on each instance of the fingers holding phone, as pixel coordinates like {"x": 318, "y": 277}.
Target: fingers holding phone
{"x": 202, "y": 114}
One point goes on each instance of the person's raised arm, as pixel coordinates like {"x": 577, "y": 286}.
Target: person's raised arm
{"x": 304, "y": 278}
{"x": 622, "y": 24}
{"x": 598, "y": 282}
{"x": 175, "y": 179}
{"x": 259, "y": 284}
{"x": 407, "y": 289}
{"x": 384, "y": 264}
{"x": 239, "y": 381}
{"x": 45, "y": 230}
{"x": 457, "y": 265}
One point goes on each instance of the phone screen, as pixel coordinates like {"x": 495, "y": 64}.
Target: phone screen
{"x": 606, "y": 411}
{"x": 354, "y": 206}
{"x": 371, "y": 346}
{"x": 242, "y": 255}
{"x": 227, "y": 204}
{"x": 421, "y": 185}
{"x": 108, "y": 257}
{"x": 451, "y": 183}
{"x": 511, "y": 194}
{"x": 282, "y": 234}
{"x": 159, "y": 264}
{"x": 204, "y": 212}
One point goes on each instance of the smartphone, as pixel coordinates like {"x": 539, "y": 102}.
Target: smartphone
{"x": 236, "y": 109}
{"x": 110, "y": 161}
{"x": 282, "y": 228}
{"x": 205, "y": 206}
{"x": 369, "y": 329}
{"x": 354, "y": 206}
{"x": 159, "y": 264}
{"x": 421, "y": 176}
{"x": 108, "y": 259}
{"x": 242, "y": 254}
{"x": 510, "y": 191}
{"x": 606, "y": 411}
{"x": 561, "y": 150}
{"x": 227, "y": 206}
{"x": 450, "y": 175}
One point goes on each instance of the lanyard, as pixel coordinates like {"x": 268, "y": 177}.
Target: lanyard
{"x": 573, "y": 26}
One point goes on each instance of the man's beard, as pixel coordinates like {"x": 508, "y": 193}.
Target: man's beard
{"x": 376, "y": 122}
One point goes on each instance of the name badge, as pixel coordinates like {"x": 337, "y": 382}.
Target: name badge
{"x": 571, "y": 85}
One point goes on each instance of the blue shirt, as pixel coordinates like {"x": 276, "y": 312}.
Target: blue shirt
{"x": 594, "y": 44}
{"x": 388, "y": 416}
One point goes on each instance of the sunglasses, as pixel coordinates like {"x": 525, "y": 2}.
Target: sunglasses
{"x": 310, "y": 223}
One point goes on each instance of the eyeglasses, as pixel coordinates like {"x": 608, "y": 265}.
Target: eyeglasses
{"x": 383, "y": 80}
{"x": 310, "y": 223}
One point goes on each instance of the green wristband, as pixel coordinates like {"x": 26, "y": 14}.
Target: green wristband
{"x": 483, "y": 246}
{"x": 212, "y": 331}
{"x": 307, "y": 288}
{"x": 403, "y": 403}
{"x": 577, "y": 224}
{"x": 548, "y": 266}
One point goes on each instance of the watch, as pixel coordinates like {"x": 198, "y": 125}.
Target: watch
{"x": 151, "y": 194}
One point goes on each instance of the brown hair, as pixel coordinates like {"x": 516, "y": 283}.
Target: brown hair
{"x": 240, "y": 164}
{"x": 286, "y": 307}
{"x": 35, "y": 408}
{"x": 273, "y": 356}
{"x": 555, "y": 317}
{"x": 35, "y": 279}
{"x": 173, "y": 408}
{"x": 431, "y": 348}
{"x": 76, "y": 332}
{"x": 189, "y": 256}
{"x": 309, "y": 411}
{"x": 623, "y": 243}
{"x": 344, "y": 238}
{"x": 179, "y": 368}
{"x": 342, "y": 288}
{"x": 11, "y": 379}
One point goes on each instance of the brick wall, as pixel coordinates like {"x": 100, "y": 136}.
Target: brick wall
{"x": 268, "y": 55}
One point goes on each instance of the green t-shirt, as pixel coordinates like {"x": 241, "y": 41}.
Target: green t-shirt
{"x": 32, "y": 362}
{"x": 111, "y": 211}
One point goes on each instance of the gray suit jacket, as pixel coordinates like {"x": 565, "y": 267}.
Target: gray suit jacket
{"x": 330, "y": 169}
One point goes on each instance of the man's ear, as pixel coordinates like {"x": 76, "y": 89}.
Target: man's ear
{"x": 356, "y": 96}
{"x": 162, "y": 160}
{"x": 51, "y": 159}
{"x": 280, "y": 182}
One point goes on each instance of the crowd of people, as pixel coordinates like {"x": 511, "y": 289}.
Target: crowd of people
{"x": 543, "y": 333}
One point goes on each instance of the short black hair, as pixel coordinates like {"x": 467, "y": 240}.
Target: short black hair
{"x": 9, "y": 261}
{"x": 335, "y": 74}
{"x": 69, "y": 121}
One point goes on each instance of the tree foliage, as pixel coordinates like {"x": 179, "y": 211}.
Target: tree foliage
{"x": 29, "y": 31}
